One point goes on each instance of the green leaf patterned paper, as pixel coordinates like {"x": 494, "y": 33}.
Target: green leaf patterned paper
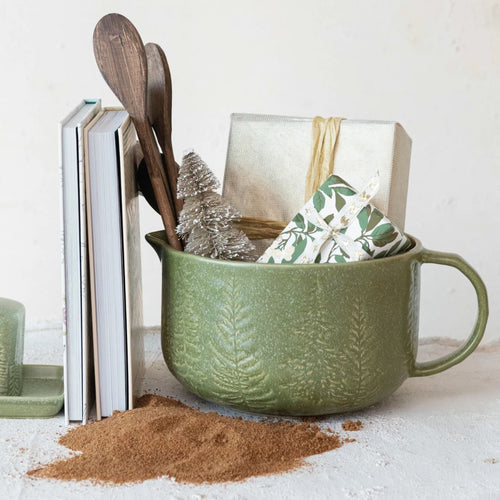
{"x": 338, "y": 224}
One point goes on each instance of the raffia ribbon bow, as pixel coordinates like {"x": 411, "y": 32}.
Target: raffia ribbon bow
{"x": 325, "y": 133}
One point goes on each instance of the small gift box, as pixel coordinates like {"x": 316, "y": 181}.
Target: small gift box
{"x": 338, "y": 224}
{"x": 269, "y": 156}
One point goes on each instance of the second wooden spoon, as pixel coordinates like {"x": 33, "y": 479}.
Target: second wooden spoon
{"x": 160, "y": 111}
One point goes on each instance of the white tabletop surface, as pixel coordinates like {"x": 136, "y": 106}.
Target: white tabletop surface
{"x": 436, "y": 437}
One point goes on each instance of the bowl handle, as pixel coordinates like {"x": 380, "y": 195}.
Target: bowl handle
{"x": 445, "y": 362}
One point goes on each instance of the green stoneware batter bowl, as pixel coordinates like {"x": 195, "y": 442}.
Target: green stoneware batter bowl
{"x": 293, "y": 339}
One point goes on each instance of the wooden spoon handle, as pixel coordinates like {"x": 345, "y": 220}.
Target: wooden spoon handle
{"x": 160, "y": 111}
{"x": 158, "y": 181}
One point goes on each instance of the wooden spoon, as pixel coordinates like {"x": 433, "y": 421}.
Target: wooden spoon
{"x": 121, "y": 58}
{"x": 159, "y": 100}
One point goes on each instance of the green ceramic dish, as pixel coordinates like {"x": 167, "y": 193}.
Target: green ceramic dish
{"x": 42, "y": 393}
{"x": 299, "y": 339}
{"x": 12, "y": 315}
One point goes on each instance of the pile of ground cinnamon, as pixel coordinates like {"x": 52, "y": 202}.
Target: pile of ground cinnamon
{"x": 163, "y": 437}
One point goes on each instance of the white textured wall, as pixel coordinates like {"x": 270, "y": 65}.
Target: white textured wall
{"x": 433, "y": 66}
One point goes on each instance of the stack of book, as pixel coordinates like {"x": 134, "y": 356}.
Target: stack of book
{"x": 102, "y": 297}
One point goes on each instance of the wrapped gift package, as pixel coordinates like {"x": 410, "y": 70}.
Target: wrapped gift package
{"x": 338, "y": 224}
{"x": 268, "y": 159}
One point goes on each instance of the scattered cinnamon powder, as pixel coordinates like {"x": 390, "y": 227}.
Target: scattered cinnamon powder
{"x": 163, "y": 437}
{"x": 350, "y": 425}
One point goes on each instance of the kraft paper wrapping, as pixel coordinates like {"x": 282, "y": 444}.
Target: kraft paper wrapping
{"x": 268, "y": 158}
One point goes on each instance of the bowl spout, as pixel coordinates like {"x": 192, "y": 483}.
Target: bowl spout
{"x": 156, "y": 241}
